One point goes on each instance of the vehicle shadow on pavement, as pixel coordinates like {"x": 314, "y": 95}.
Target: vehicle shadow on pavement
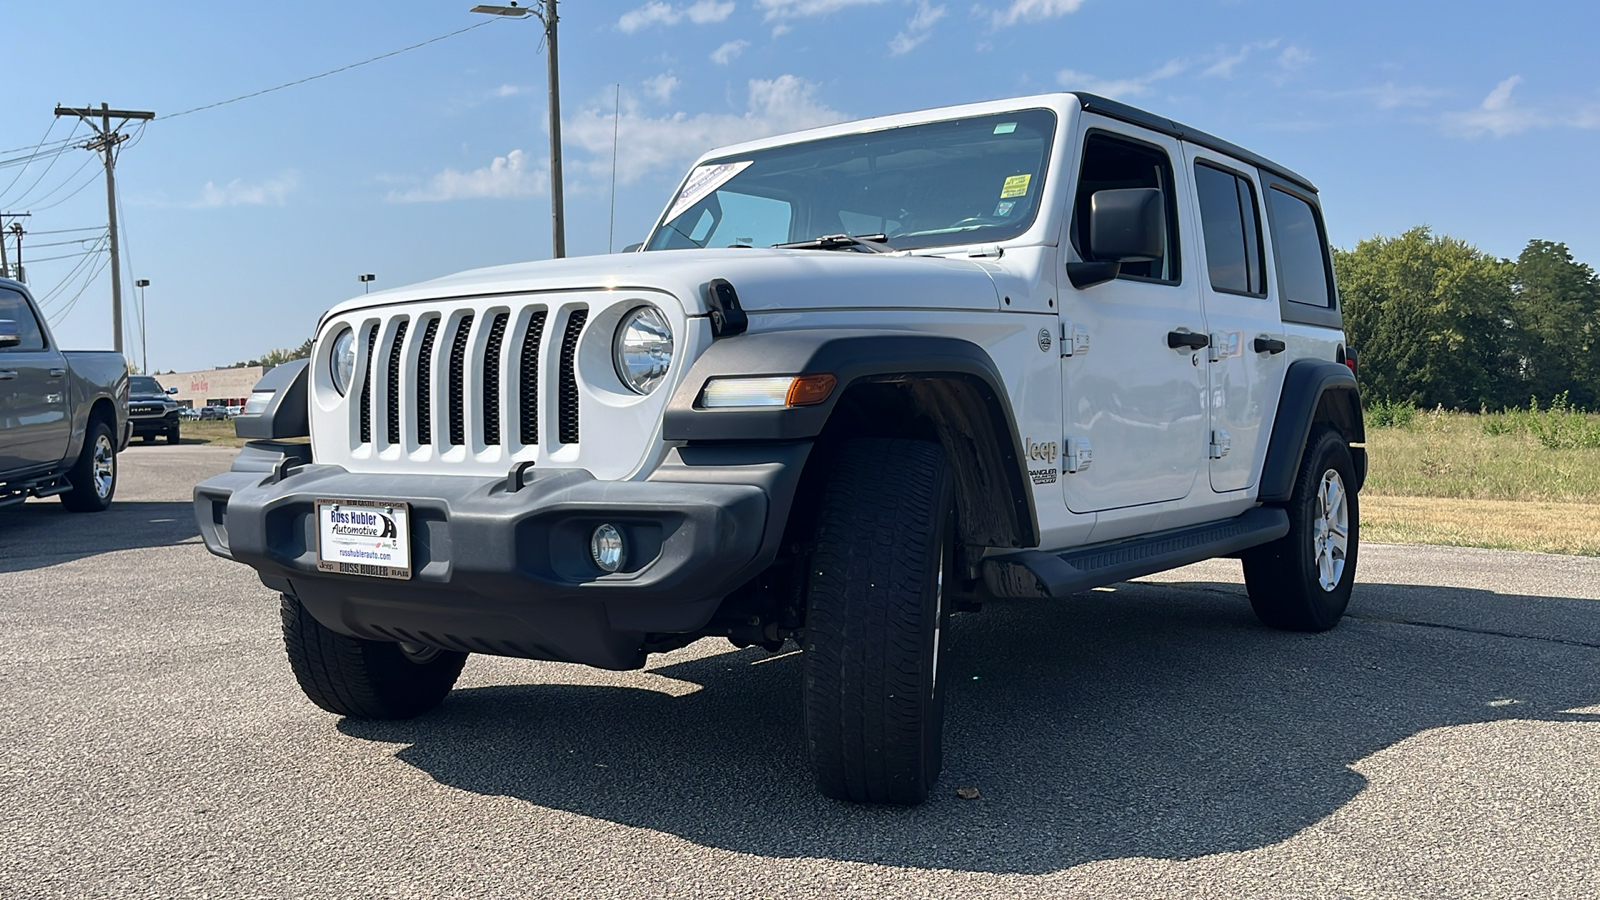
{"x": 39, "y": 534}
{"x": 1154, "y": 720}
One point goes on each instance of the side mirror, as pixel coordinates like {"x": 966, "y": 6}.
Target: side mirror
{"x": 633, "y": 248}
{"x": 10, "y": 334}
{"x": 1125, "y": 225}
{"x": 172, "y": 390}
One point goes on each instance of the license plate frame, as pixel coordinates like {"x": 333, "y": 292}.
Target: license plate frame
{"x": 367, "y": 538}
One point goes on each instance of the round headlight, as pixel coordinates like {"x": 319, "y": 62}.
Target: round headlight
{"x": 642, "y": 349}
{"x": 342, "y": 361}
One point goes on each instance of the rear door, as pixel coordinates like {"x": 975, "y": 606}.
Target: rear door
{"x": 1245, "y": 363}
{"x": 1134, "y": 405}
{"x": 35, "y": 410}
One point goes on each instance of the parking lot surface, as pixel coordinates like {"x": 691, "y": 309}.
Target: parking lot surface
{"x": 1149, "y": 740}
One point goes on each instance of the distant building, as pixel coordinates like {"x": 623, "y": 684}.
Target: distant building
{"x": 213, "y": 387}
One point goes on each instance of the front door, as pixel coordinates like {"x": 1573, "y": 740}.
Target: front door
{"x": 1134, "y": 404}
{"x": 34, "y": 421}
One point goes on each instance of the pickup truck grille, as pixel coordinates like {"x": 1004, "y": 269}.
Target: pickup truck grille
{"x": 467, "y": 402}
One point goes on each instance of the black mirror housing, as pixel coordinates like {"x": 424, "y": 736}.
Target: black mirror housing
{"x": 1128, "y": 225}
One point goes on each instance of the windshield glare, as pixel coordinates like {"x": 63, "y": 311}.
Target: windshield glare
{"x": 955, "y": 182}
{"x": 142, "y": 384}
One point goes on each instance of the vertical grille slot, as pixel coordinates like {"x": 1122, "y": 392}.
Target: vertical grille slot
{"x": 528, "y": 381}
{"x": 458, "y": 367}
{"x": 366, "y": 387}
{"x": 392, "y": 401}
{"x": 567, "y": 383}
{"x": 491, "y": 380}
{"x": 425, "y": 383}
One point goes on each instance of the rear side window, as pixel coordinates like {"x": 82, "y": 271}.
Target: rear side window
{"x": 1231, "y": 225}
{"x": 1300, "y": 250}
{"x": 15, "y": 308}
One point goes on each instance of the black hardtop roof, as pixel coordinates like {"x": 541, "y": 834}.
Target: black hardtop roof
{"x": 1133, "y": 115}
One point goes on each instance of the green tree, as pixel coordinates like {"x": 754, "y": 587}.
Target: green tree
{"x": 1431, "y": 318}
{"x": 274, "y": 358}
{"x": 1556, "y": 309}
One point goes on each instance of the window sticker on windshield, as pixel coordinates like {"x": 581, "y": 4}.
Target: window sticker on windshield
{"x": 702, "y": 181}
{"x": 1015, "y": 186}
{"x": 1004, "y": 209}
{"x": 1005, "y": 128}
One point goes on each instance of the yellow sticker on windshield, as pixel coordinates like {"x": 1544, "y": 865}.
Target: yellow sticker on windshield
{"x": 1015, "y": 186}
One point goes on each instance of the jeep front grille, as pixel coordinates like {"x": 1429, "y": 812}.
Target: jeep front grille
{"x": 489, "y": 379}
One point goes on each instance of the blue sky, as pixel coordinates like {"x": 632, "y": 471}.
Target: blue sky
{"x": 1479, "y": 119}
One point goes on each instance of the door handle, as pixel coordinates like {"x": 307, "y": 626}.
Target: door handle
{"x": 1270, "y": 345}
{"x": 7, "y": 375}
{"x": 1189, "y": 339}
{"x": 57, "y": 373}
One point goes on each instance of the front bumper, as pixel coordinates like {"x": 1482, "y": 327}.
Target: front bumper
{"x": 508, "y": 572}
{"x": 148, "y": 425}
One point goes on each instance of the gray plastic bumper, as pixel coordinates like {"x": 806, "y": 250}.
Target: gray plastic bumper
{"x": 508, "y": 572}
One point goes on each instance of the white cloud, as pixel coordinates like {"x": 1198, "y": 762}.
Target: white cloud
{"x": 917, "y": 29}
{"x": 506, "y": 176}
{"x": 1223, "y": 67}
{"x": 1033, "y": 11}
{"x": 701, "y": 12}
{"x": 239, "y": 193}
{"x": 1396, "y": 96}
{"x": 728, "y": 52}
{"x": 1293, "y": 57}
{"x": 1119, "y": 88}
{"x": 661, "y": 86}
{"x": 654, "y": 143}
{"x": 509, "y": 90}
{"x": 1496, "y": 115}
{"x": 804, "y": 9}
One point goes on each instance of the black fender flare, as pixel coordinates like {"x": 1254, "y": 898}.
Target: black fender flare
{"x": 1314, "y": 390}
{"x": 856, "y": 357}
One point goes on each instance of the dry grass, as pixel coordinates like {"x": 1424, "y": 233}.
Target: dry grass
{"x": 1443, "y": 480}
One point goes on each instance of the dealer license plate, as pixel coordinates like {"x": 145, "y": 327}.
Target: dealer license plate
{"x": 364, "y": 537}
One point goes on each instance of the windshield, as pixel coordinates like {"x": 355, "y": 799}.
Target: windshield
{"x": 956, "y": 182}
{"x": 144, "y": 384}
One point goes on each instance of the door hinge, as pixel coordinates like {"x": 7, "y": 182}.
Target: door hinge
{"x": 1078, "y": 456}
{"x": 1074, "y": 340}
{"x": 1221, "y": 443}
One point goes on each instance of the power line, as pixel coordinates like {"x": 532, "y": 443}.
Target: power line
{"x": 36, "y": 181}
{"x": 72, "y": 274}
{"x": 39, "y": 259}
{"x": 64, "y": 182}
{"x": 329, "y": 72}
{"x": 58, "y": 317}
{"x": 67, "y": 242}
{"x": 99, "y": 228}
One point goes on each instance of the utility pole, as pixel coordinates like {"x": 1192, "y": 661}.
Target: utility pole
{"x": 5, "y": 266}
{"x": 106, "y": 140}
{"x": 558, "y": 229}
{"x": 16, "y": 229}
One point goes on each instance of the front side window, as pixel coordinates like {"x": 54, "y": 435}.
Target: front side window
{"x": 1299, "y": 249}
{"x": 935, "y": 184}
{"x": 14, "y": 306}
{"x": 1110, "y": 163}
{"x": 1231, "y": 227}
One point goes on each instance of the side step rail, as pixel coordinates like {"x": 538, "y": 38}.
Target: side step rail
{"x": 1035, "y": 573}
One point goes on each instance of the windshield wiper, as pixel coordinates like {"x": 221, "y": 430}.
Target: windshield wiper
{"x": 874, "y": 243}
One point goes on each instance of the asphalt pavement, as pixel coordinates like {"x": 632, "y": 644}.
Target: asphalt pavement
{"x": 1149, "y": 740}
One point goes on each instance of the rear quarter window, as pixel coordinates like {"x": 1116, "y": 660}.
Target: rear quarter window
{"x": 1300, "y": 250}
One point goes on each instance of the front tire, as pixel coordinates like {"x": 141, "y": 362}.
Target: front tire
{"x": 364, "y": 679}
{"x": 94, "y": 476}
{"x": 172, "y": 436}
{"x": 876, "y": 621}
{"x": 1302, "y": 581}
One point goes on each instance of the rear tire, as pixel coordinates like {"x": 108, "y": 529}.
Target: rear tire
{"x": 1302, "y": 581}
{"x": 876, "y": 621}
{"x": 94, "y": 476}
{"x": 364, "y": 679}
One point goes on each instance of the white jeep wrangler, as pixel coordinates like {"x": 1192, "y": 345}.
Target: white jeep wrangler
{"x": 856, "y": 378}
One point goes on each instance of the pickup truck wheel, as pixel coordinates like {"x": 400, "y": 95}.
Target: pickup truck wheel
{"x": 172, "y": 436}
{"x": 94, "y": 475}
{"x": 876, "y": 620}
{"x": 365, "y": 679}
{"x": 1302, "y": 581}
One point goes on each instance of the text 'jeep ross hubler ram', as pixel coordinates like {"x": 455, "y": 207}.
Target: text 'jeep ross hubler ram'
{"x": 63, "y": 413}
{"x": 855, "y": 377}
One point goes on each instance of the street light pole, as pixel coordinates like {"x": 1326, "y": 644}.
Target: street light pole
{"x": 144, "y": 340}
{"x": 558, "y": 228}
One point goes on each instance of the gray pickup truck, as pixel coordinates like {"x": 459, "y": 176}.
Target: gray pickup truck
{"x": 63, "y": 413}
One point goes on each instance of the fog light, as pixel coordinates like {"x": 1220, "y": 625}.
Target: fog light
{"x": 605, "y": 545}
